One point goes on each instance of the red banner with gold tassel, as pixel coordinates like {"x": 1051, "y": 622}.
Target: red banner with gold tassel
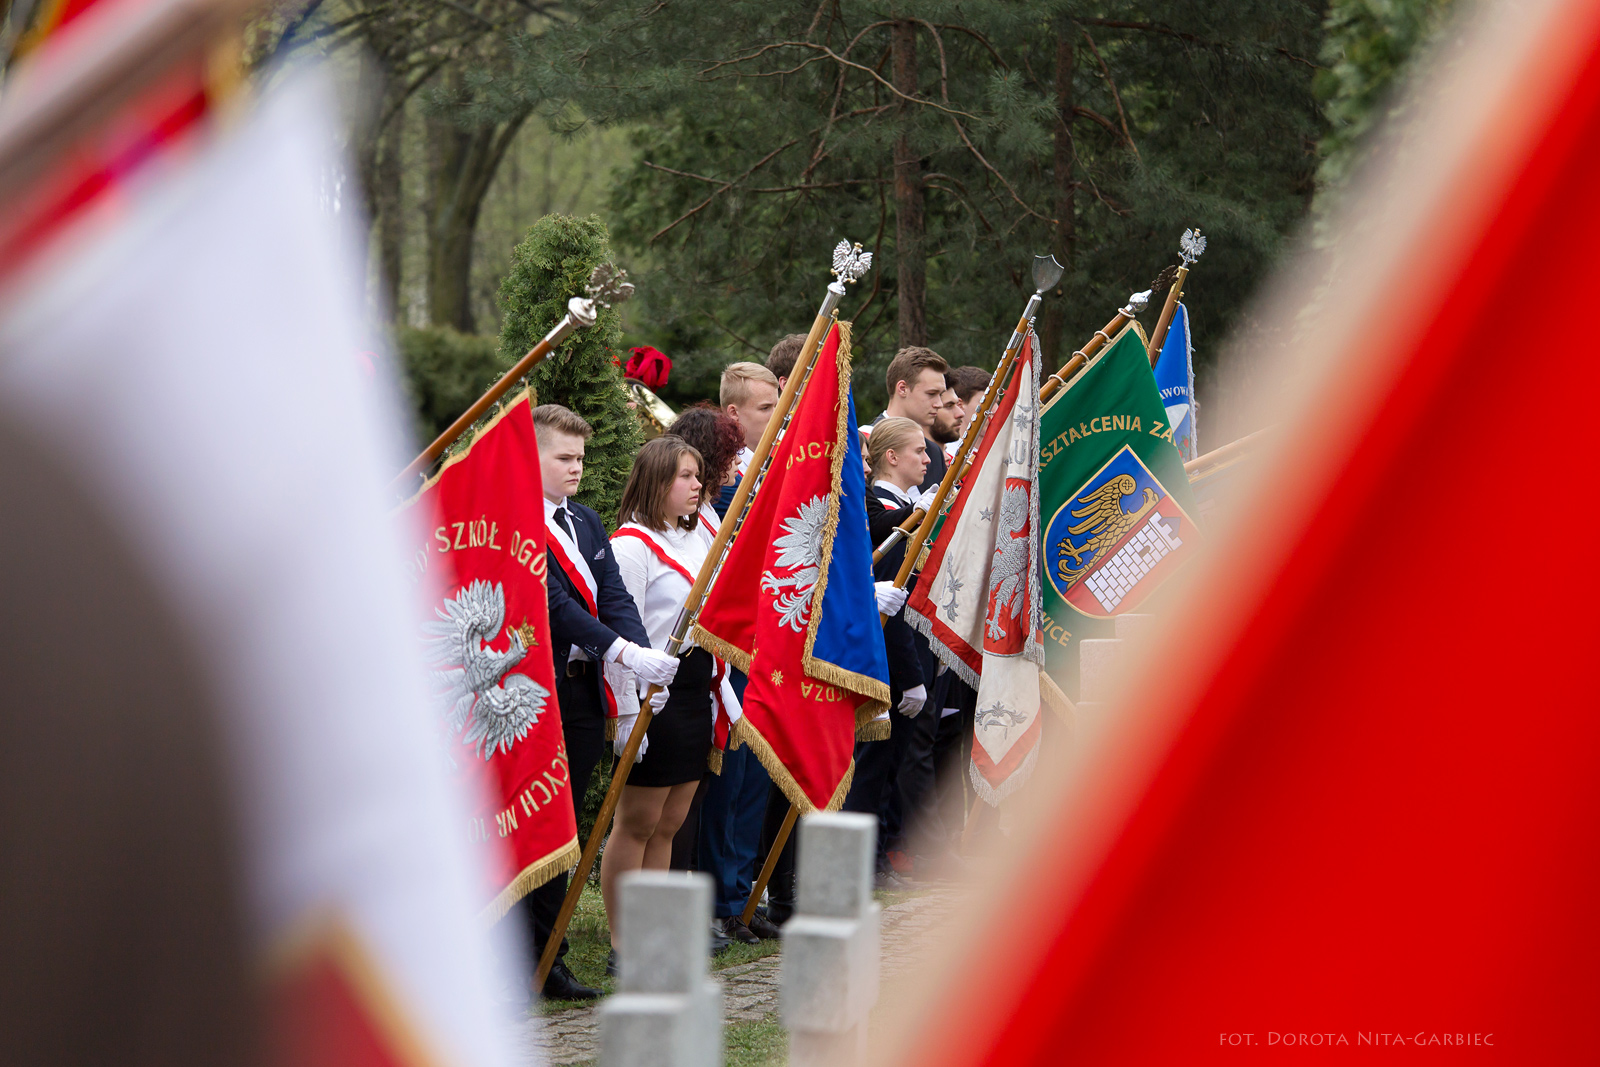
{"x": 489, "y": 649}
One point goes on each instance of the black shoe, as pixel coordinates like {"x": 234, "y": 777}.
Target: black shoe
{"x": 764, "y": 928}
{"x": 564, "y": 985}
{"x": 719, "y": 940}
{"x": 891, "y": 882}
{"x": 777, "y": 911}
{"x": 733, "y": 927}
{"x": 611, "y": 963}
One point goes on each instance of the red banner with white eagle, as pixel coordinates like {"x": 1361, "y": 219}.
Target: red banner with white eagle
{"x": 801, "y": 549}
{"x": 488, "y": 647}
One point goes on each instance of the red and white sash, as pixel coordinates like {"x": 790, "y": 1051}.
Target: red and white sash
{"x": 569, "y": 556}
{"x": 725, "y": 705}
{"x": 709, "y": 522}
{"x": 564, "y": 550}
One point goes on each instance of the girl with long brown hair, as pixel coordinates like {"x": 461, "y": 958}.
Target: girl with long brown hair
{"x": 659, "y": 547}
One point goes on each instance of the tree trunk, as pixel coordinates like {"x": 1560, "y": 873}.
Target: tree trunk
{"x": 462, "y": 163}
{"x": 910, "y": 251}
{"x": 1065, "y": 236}
{"x": 389, "y": 217}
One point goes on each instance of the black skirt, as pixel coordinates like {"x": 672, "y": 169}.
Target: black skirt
{"x": 680, "y": 736}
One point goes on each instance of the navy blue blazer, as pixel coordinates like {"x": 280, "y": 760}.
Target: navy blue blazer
{"x": 904, "y": 645}
{"x": 570, "y": 621}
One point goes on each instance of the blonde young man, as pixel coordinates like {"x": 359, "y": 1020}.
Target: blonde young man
{"x": 749, "y": 393}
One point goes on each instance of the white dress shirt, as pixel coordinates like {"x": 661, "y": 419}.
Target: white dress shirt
{"x": 660, "y": 590}
{"x": 902, "y": 495}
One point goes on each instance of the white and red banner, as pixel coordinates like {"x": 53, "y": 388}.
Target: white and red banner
{"x": 978, "y": 598}
{"x": 489, "y": 649}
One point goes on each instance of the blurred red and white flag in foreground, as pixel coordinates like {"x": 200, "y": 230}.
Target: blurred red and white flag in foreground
{"x": 196, "y": 362}
{"x": 1360, "y": 803}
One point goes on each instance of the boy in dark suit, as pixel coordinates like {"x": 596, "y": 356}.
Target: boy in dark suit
{"x": 593, "y": 619}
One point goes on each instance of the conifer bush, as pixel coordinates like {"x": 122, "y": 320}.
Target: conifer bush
{"x": 549, "y": 267}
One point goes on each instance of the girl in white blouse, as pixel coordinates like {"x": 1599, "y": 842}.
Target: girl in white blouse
{"x": 659, "y": 549}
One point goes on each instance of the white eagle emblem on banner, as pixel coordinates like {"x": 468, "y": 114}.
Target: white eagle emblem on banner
{"x": 800, "y": 554}
{"x": 494, "y": 714}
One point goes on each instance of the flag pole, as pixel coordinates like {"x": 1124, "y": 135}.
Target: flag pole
{"x": 608, "y": 285}
{"x": 1190, "y": 247}
{"x": 1102, "y": 337}
{"x": 770, "y": 865}
{"x": 1046, "y": 272}
{"x": 1136, "y": 303}
{"x": 849, "y": 264}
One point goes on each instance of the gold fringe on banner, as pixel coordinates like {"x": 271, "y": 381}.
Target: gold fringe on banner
{"x": 780, "y": 775}
{"x": 873, "y": 730}
{"x": 876, "y": 692}
{"x": 532, "y": 877}
{"x": 715, "y": 645}
{"x": 1051, "y": 696}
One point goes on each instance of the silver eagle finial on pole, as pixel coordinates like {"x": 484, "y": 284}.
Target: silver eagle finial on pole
{"x": 849, "y": 264}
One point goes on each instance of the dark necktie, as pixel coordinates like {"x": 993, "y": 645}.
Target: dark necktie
{"x": 565, "y": 524}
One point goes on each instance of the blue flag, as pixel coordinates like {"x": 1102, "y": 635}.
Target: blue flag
{"x": 793, "y": 605}
{"x": 1175, "y": 379}
{"x": 849, "y": 635}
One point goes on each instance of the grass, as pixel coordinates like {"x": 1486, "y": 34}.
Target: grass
{"x": 589, "y": 942}
{"x": 762, "y": 1043}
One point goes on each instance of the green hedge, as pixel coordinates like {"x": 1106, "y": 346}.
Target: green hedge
{"x": 443, "y": 373}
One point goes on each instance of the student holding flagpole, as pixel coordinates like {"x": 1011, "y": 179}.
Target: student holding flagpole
{"x": 593, "y": 623}
{"x": 660, "y": 546}
{"x": 734, "y": 802}
{"x": 897, "y": 457}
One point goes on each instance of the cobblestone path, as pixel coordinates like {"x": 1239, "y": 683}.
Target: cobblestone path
{"x": 749, "y": 990}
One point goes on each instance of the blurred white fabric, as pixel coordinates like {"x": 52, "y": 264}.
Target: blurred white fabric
{"x": 200, "y": 363}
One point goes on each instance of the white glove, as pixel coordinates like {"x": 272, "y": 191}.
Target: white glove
{"x": 658, "y": 701}
{"x": 922, "y": 498}
{"x": 890, "y": 599}
{"x": 624, "y": 731}
{"x": 912, "y": 701}
{"x": 648, "y": 665}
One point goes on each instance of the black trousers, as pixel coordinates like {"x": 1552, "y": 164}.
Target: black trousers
{"x": 583, "y": 727}
{"x": 908, "y": 810}
{"x": 952, "y": 753}
{"x": 781, "y": 889}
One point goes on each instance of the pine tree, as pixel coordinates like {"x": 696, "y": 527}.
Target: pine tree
{"x": 1369, "y": 48}
{"x": 549, "y": 267}
{"x": 955, "y": 139}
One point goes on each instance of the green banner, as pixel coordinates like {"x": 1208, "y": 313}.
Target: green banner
{"x": 1114, "y": 503}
